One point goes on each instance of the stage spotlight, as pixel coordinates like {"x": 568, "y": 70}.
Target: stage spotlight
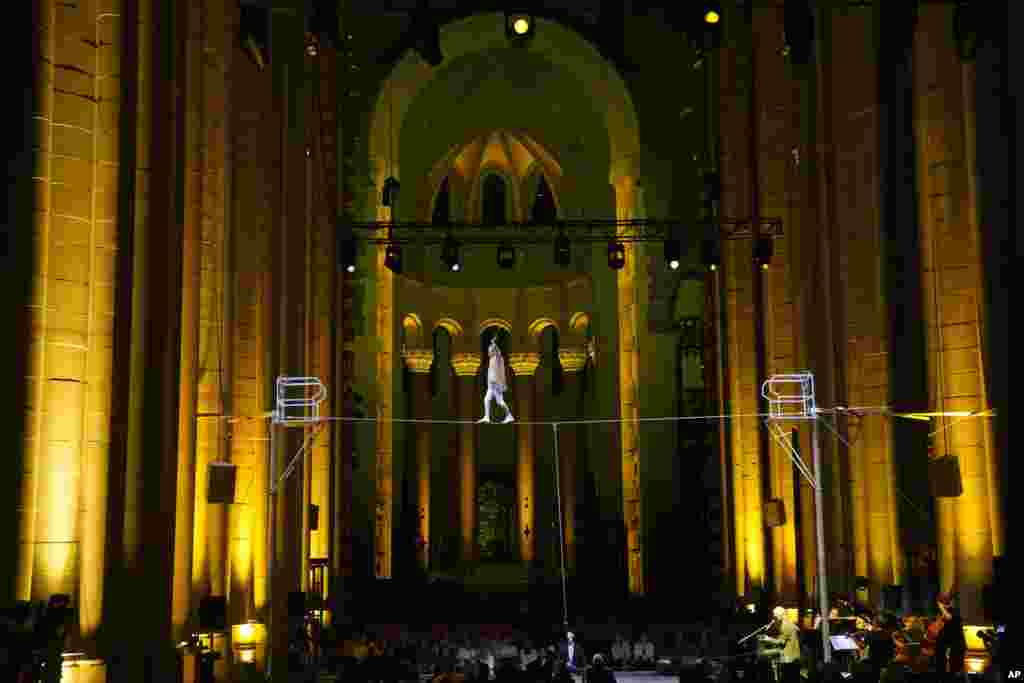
{"x": 672, "y": 254}
{"x": 712, "y": 13}
{"x": 506, "y": 256}
{"x": 710, "y": 254}
{"x": 519, "y": 26}
{"x": 393, "y": 258}
{"x": 763, "y": 249}
{"x": 450, "y": 254}
{"x": 389, "y": 195}
{"x": 563, "y": 250}
{"x": 347, "y": 253}
{"x": 616, "y": 255}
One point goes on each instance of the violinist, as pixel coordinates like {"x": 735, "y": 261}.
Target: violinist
{"x": 880, "y": 646}
{"x": 950, "y": 644}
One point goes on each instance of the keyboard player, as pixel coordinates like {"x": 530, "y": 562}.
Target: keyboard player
{"x": 788, "y": 640}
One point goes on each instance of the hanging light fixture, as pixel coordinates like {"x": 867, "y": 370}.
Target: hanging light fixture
{"x": 563, "y": 250}
{"x": 506, "y": 256}
{"x": 450, "y": 254}
{"x": 393, "y": 258}
{"x": 672, "y": 253}
{"x": 616, "y": 255}
{"x": 389, "y": 193}
{"x": 346, "y": 251}
{"x": 763, "y": 249}
{"x": 519, "y": 26}
{"x": 710, "y": 254}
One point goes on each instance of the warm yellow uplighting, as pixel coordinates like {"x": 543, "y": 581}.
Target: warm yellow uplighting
{"x": 248, "y": 634}
{"x": 83, "y": 671}
{"x": 712, "y": 17}
{"x": 247, "y": 656}
{"x": 975, "y": 665}
{"x": 521, "y": 26}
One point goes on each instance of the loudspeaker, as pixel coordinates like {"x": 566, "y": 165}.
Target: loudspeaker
{"x": 296, "y": 605}
{"x": 213, "y": 613}
{"x": 944, "y": 477}
{"x": 220, "y": 483}
{"x": 774, "y": 513}
{"x": 314, "y": 517}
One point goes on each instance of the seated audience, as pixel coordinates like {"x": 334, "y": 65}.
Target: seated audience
{"x": 620, "y": 652}
{"x": 643, "y": 652}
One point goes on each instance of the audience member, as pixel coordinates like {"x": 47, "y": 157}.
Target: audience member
{"x": 599, "y": 673}
{"x": 643, "y": 652}
{"x": 620, "y": 652}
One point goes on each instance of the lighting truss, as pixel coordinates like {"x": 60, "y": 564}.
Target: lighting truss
{"x": 578, "y": 231}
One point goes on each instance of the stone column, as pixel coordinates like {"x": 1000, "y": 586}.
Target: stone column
{"x": 951, "y": 282}
{"x": 418, "y": 361}
{"x": 573, "y": 359}
{"x": 524, "y": 365}
{"x": 466, "y": 366}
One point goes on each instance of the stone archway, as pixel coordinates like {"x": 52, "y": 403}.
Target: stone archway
{"x": 558, "y": 44}
{"x": 566, "y": 50}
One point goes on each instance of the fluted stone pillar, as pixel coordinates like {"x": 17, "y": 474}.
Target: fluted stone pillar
{"x": 573, "y": 359}
{"x": 466, "y": 366}
{"x": 524, "y": 365}
{"x": 418, "y": 361}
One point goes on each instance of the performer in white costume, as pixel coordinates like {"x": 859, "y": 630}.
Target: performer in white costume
{"x": 496, "y": 383}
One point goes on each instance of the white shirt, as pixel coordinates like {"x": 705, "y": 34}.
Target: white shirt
{"x": 572, "y": 650}
{"x": 496, "y": 369}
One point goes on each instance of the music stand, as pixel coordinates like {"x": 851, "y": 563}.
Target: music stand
{"x": 844, "y": 647}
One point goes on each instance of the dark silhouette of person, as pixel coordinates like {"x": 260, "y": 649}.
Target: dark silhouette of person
{"x": 599, "y": 673}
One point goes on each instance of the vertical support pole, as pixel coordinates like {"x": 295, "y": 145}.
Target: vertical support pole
{"x": 271, "y": 522}
{"x": 819, "y": 528}
{"x": 561, "y": 534}
{"x": 728, "y": 559}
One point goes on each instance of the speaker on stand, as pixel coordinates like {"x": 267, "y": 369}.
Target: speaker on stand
{"x": 220, "y": 482}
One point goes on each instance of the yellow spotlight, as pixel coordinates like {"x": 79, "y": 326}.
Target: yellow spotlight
{"x": 247, "y": 656}
{"x": 712, "y": 17}
{"x": 521, "y": 26}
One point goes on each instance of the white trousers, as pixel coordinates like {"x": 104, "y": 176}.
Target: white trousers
{"x": 498, "y": 397}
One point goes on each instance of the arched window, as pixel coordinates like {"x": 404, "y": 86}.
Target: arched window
{"x": 494, "y": 192}
{"x": 543, "y": 209}
{"x": 442, "y": 205}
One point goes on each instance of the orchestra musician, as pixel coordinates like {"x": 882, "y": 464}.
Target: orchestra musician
{"x": 788, "y": 639}
{"x": 950, "y": 643}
